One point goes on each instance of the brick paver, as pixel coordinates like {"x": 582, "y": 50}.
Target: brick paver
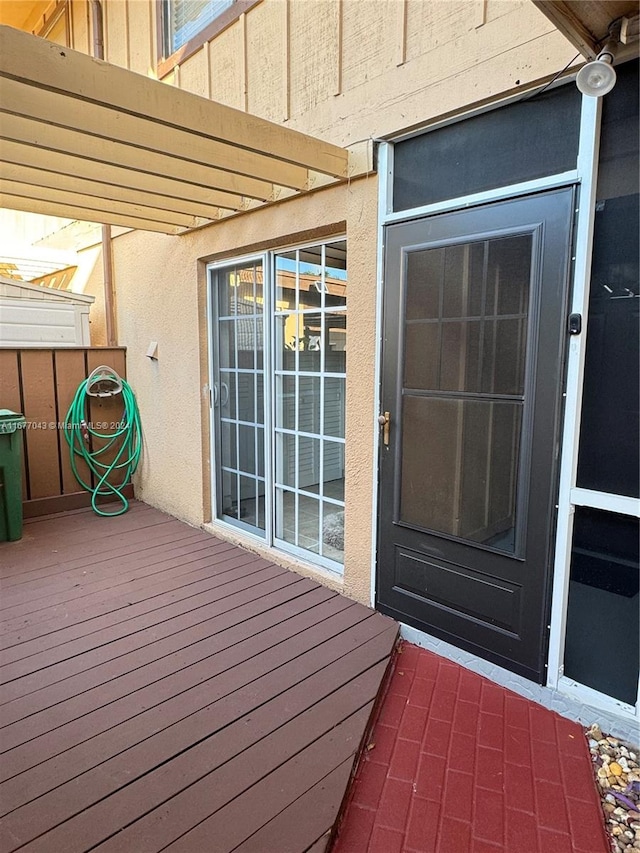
{"x": 457, "y": 764}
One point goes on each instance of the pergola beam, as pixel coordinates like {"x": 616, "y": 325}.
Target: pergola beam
{"x": 83, "y": 79}
{"x": 98, "y": 208}
{"x": 66, "y": 165}
{"x": 30, "y": 205}
{"x": 55, "y": 110}
{"x": 86, "y": 140}
{"x": 30, "y": 177}
{"x": 36, "y": 133}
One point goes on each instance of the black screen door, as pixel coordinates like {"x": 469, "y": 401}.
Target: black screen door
{"x": 474, "y": 339}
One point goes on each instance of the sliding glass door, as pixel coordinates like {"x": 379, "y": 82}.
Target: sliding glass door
{"x": 278, "y": 337}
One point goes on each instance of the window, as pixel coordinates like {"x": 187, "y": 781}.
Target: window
{"x": 279, "y": 373}
{"x": 184, "y": 19}
{"x": 528, "y": 139}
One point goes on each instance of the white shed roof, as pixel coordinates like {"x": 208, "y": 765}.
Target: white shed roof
{"x": 12, "y": 289}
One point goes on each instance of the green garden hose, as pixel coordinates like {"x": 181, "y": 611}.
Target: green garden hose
{"x": 120, "y": 442}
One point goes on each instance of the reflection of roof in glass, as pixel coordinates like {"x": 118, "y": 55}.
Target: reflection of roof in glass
{"x": 333, "y": 286}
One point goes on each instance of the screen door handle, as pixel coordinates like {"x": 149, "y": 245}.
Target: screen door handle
{"x": 385, "y": 420}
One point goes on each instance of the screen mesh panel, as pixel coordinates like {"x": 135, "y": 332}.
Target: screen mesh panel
{"x": 519, "y": 142}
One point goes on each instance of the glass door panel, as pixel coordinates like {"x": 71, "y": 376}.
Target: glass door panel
{"x": 465, "y": 339}
{"x": 238, "y": 394}
{"x": 310, "y": 371}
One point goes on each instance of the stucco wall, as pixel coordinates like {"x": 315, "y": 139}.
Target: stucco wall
{"x": 357, "y": 80}
{"x": 89, "y": 279}
{"x": 161, "y": 297}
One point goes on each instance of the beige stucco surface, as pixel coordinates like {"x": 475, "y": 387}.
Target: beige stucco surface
{"x": 349, "y": 70}
{"x": 171, "y": 392}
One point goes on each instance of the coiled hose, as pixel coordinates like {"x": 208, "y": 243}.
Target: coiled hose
{"x": 123, "y": 446}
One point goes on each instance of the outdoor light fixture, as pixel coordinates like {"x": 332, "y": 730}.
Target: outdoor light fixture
{"x": 598, "y": 77}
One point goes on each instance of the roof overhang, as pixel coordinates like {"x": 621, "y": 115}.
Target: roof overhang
{"x": 83, "y": 139}
{"x": 586, "y": 22}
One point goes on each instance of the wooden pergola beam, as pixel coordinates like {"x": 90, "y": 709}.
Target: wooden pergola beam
{"x": 56, "y": 110}
{"x": 93, "y": 148}
{"x": 30, "y": 205}
{"x": 30, "y": 177}
{"x": 84, "y": 79}
{"x": 98, "y": 208}
{"x": 62, "y": 166}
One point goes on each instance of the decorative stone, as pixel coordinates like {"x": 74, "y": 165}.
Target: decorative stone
{"x": 617, "y": 774}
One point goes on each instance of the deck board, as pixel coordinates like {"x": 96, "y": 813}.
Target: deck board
{"x": 162, "y": 689}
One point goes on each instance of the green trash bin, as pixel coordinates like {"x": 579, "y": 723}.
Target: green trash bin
{"x": 11, "y": 426}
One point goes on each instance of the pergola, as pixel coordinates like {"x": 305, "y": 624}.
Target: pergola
{"x": 83, "y": 139}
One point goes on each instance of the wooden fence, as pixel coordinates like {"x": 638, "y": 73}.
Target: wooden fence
{"x": 41, "y": 384}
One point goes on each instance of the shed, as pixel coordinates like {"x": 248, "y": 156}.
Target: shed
{"x": 31, "y": 315}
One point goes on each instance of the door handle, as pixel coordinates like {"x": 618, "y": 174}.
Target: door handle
{"x": 385, "y": 421}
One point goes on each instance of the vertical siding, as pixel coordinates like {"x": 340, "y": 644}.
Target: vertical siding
{"x": 80, "y": 35}
{"x": 266, "y": 61}
{"x": 313, "y": 53}
{"x": 369, "y": 40}
{"x": 142, "y": 36}
{"x": 226, "y": 74}
{"x": 347, "y": 69}
{"x": 194, "y": 74}
{"x": 116, "y": 32}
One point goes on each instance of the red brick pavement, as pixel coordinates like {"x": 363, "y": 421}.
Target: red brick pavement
{"x": 457, "y": 764}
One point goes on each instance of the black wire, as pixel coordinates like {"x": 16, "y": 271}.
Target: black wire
{"x": 553, "y": 80}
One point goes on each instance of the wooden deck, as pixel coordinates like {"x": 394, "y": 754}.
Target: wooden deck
{"x": 165, "y": 690}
